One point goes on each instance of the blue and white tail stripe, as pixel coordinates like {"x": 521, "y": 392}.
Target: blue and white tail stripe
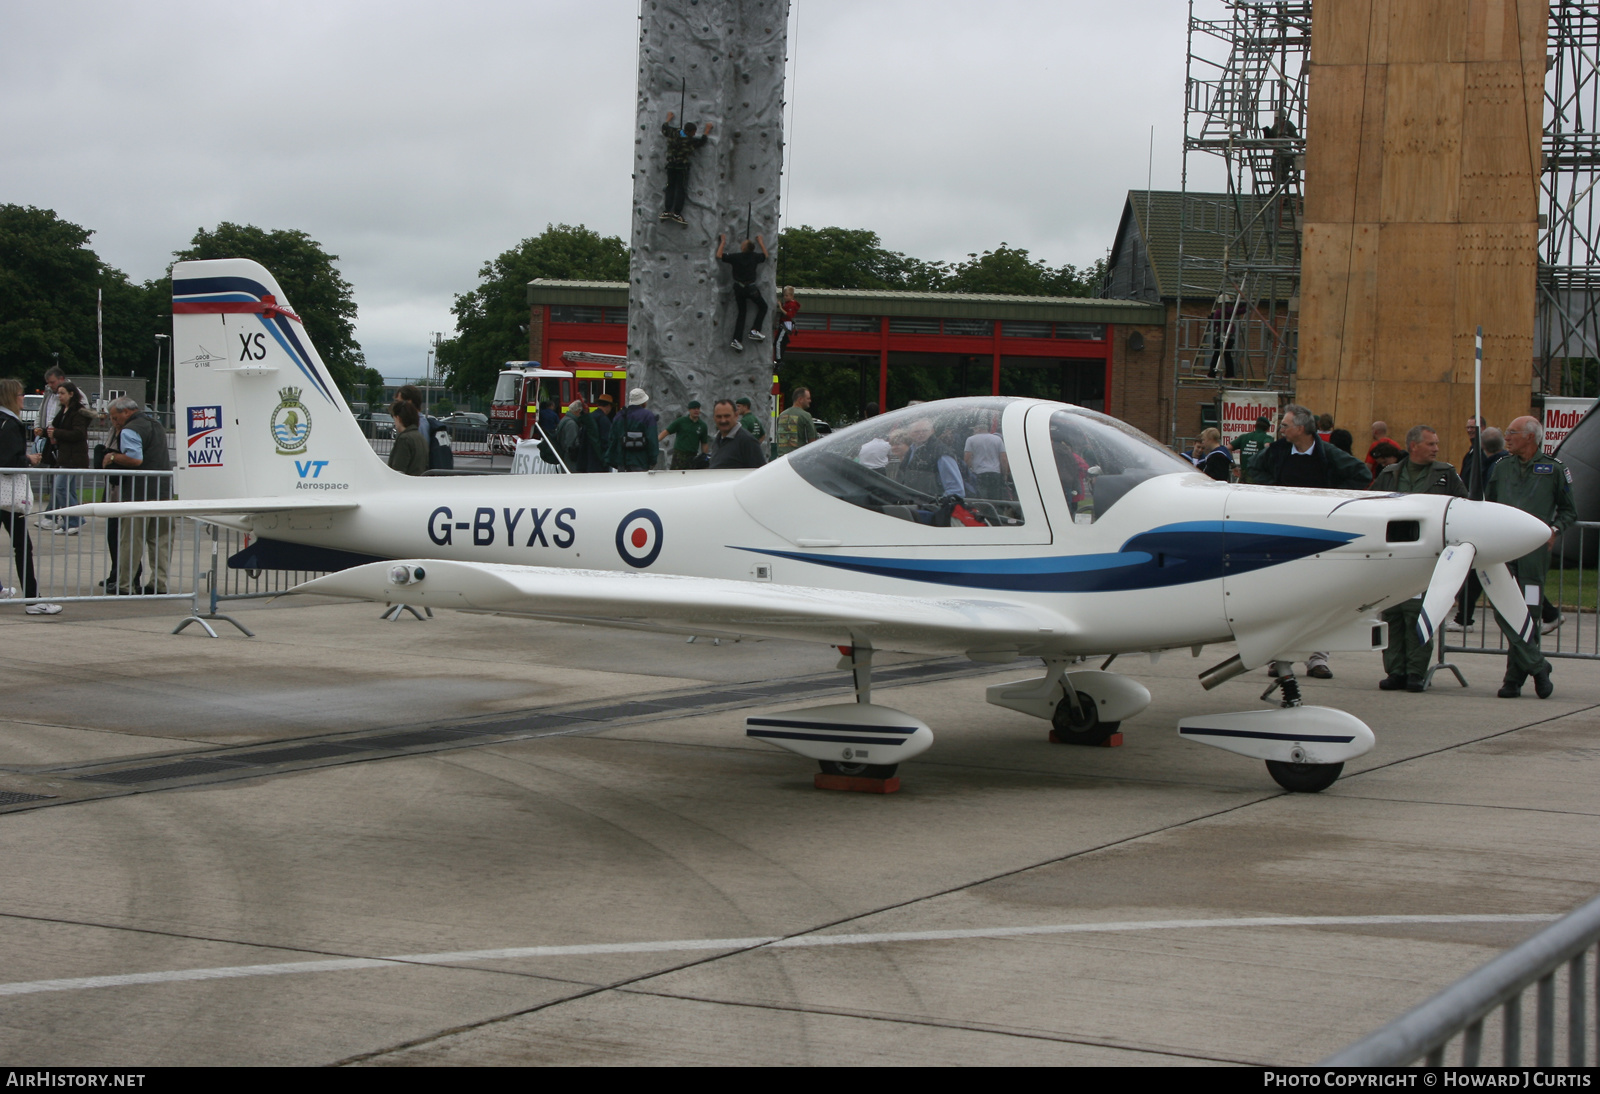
{"x": 245, "y": 295}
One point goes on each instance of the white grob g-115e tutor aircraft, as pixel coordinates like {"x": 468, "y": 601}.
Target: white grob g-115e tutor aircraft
{"x": 1089, "y": 539}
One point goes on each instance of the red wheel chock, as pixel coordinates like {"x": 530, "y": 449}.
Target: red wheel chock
{"x": 856, "y": 783}
{"x": 1113, "y": 741}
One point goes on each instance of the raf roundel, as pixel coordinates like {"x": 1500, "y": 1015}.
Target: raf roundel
{"x": 639, "y": 538}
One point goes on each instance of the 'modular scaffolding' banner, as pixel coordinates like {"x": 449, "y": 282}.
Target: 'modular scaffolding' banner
{"x": 1560, "y": 415}
{"x": 1240, "y": 409}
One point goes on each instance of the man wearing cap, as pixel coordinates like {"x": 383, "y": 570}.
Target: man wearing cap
{"x": 634, "y": 446}
{"x": 604, "y": 406}
{"x": 690, "y": 436}
{"x": 747, "y": 418}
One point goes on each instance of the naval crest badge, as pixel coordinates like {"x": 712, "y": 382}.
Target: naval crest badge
{"x": 291, "y": 423}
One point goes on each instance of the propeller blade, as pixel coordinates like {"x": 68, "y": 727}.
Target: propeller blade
{"x": 1506, "y": 596}
{"x": 1448, "y": 574}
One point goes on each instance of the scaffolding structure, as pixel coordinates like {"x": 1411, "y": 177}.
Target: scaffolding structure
{"x": 1239, "y": 250}
{"x": 1567, "y": 354}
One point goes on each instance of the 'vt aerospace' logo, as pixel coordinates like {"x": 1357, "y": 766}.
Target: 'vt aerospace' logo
{"x": 205, "y": 436}
{"x": 291, "y": 423}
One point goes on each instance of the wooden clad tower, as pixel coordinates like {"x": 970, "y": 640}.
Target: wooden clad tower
{"x": 1421, "y": 210}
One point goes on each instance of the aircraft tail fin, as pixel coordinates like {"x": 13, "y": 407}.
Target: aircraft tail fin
{"x": 258, "y": 413}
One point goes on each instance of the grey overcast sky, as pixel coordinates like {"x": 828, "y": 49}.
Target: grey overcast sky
{"x": 416, "y": 141}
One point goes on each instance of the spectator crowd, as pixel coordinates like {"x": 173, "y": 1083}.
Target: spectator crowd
{"x": 1507, "y": 466}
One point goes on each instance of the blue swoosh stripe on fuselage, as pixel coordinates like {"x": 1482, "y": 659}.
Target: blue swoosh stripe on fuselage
{"x": 1174, "y": 554}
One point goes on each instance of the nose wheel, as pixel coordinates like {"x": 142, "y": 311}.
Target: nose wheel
{"x": 1297, "y": 778}
{"x": 1303, "y": 778}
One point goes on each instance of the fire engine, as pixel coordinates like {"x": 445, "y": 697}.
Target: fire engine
{"x": 514, "y": 411}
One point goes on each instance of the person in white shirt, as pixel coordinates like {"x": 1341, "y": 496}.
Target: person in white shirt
{"x": 874, "y": 454}
{"x": 985, "y": 455}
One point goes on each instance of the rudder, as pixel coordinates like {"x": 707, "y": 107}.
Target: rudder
{"x": 258, "y": 413}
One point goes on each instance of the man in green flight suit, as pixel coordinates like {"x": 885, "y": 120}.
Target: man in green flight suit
{"x": 1405, "y": 659}
{"x": 747, "y": 418}
{"x": 689, "y": 438}
{"x": 1541, "y": 486}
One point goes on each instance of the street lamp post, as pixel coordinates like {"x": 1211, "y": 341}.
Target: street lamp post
{"x": 160, "y": 338}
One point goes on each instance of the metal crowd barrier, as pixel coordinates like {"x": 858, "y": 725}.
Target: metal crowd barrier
{"x": 219, "y": 582}
{"x": 1570, "y": 587}
{"x": 75, "y": 563}
{"x": 73, "y": 558}
{"x": 1555, "y": 959}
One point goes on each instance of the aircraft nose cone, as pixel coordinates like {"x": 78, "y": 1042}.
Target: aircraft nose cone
{"x": 1499, "y": 532}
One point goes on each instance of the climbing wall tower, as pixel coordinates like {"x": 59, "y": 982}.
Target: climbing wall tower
{"x": 722, "y": 62}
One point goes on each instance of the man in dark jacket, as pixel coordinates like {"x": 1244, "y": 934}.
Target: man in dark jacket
{"x": 634, "y": 444}
{"x": 1405, "y": 659}
{"x": 579, "y": 439}
{"x": 138, "y": 444}
{"x": 601, "y": 412}
{"x": 1300, "y": 458}
{"x": 1491, "y": 452}
{"x": 731, "y": 445}
{"x": 1474, "y": 469}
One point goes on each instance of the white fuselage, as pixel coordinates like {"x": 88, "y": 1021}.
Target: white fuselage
{"x": 772, "y": 526}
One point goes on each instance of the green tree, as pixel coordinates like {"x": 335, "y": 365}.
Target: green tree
{"x": 491, "y": 319}
{"x": 134, "y": 315}
{"x": 368, "y": 388}
{"x": 48, "y": 279}
{"x": 1011, "y": 270}
{"x": 855, "y": 258}
{"x": 319, "y": 294}
{"x": 850, "y": 258}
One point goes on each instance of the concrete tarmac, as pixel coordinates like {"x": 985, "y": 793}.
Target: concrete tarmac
{"x": 477, "y": 840}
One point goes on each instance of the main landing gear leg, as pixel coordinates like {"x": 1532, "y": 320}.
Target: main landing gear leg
{"x": 863, "y": 778}
{"x": 1077, "y": 717}
{"x": 1294, "y": 776}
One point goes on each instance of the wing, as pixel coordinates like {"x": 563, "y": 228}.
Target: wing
{"x": 704, "y": 606}
{"x": 206, "y": 507}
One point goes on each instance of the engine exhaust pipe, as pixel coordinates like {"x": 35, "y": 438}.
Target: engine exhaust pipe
{"x": 1221, "y": 674}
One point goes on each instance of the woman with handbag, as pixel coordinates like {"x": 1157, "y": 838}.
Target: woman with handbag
{"x": 67, "y": 440}
{"x": 16, "y": 496}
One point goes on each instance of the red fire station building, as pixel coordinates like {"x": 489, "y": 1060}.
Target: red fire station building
{"x": 853, "y": 347}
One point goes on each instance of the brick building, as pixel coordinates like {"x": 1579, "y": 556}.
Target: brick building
{"x": 1143, "y": 266}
